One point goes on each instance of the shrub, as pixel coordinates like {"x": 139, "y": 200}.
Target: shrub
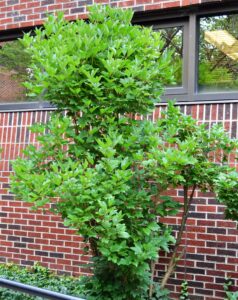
{"x": 102, "y": 74}
{"x": 40, "y": 277}
{"x": 108, "y": 169}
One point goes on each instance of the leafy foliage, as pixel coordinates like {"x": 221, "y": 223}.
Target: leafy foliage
{"x": 226, "y": 188}
{"x": 92, "y": 158}
{"x": 40, "y": 277}
{"x": 184, "y": 291}
{"x": 109, "y": 170}
{"x": 230, "y": 295}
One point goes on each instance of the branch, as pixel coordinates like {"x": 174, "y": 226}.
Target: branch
{"x": 175, "y": 257}
{"x": 168, "y": 40}
{"x": 217, "y": 63}
{"x": 152, "y": 268}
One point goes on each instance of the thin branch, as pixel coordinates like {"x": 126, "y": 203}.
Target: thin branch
{"x": 152, "y": 267}
{"x": 217, "y": 63}
{"x": 175, "y": 256}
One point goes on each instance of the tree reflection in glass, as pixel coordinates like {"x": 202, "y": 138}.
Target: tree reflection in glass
{"x": 218, "y": 54}
{"x": 173, "y": 41}
{"x": 14, "y": 69}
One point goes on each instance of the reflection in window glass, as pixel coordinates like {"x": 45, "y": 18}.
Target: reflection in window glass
{"x": 218, "y": 53}
{"x": 173, "y": 38}
{"x": 14, "y": 69}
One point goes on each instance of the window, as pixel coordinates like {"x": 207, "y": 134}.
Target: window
{"x": 218, "y": 54}
{"x": 205, "y": 46}
{"x": 174, "y": 36}
{"x": 173, "y": 41}
{"x": 14, "y": 70}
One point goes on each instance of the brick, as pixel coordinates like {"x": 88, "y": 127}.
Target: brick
{"x": 3, "y": 225}
{"x": 226, "y": 267}
{"x": 206, "y": 208}
{"x": 196, "y": 284}
{"x": 19, "y": 245}
{"x": 208, "y": 237}
{"x": 206, "y": 264}
{"x": 190, "y": 270}
{"x": 12, "y": 2}
{"x": 197, "y": 215}
{"x": 216, "y": 230}
{"x": 220, "y": 280}
{"x": 206, "y": 250}
{"x": 47, "y": 2}
{"x": 232, "y": 232}
{"x": 17, "y": 227}
{"x": 227, "y": 238}
{"x": 56, "y": 255}
{"x": 196, "y": 229}
{"x": 215, "y": 258}
{"x": 27, "y": 240}
{"x": 72, "y": 256}
{"x": 27, "y": 262}
{"x": 48, "y": 260}
{"x": 215, "y": 245}
{"x": 195, "y": 257}
{"x": 228, "y": 224}
{"x": 215, "y": 216}
{"x": 226, "y": 252}
{"x": 13, "y": 238}
{"x": 77, "y": 10}
{"x": 19, "y": 19}
{"x": 219, "y": 295}
{"x": 233, "y": 260}
{"x": 57, "y": 243}
{"x": 64, "y": 250}
{"x": 34, "y": 234}
{"x": 19, "y": 7}
{"x": 213, "y": 286}
{"x": 64, "y": 237}
{"x": 204, "y": 292}
{"x": 48, "y": 248}
{"x": 72, "y": 244}
{"x": 56, "y": 266}
{"x": 34, "y": 246}
{"x": 42, "y": 253}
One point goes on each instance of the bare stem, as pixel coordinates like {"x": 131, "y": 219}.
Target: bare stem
{"x": 152, "y": 267}
{"x": 175, "y": 256}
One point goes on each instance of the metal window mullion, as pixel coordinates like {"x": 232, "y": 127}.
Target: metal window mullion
{"x": 192, "y": 57}
{"x": 185, "y": 57}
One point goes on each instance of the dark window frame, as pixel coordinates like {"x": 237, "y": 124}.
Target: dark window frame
{"x": 171, "y": 91}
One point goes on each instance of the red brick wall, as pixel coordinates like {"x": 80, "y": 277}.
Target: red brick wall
{"x": 25, "y": 13}
{"x": 26, "y": 237}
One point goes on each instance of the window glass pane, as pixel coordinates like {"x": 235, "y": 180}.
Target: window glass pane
{"x": 14, "y": 69}
{"x": 173, "y": 38}
{"x": 218, "y": 54}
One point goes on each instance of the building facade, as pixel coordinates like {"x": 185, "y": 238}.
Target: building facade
{"x": 204, "y": 37}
